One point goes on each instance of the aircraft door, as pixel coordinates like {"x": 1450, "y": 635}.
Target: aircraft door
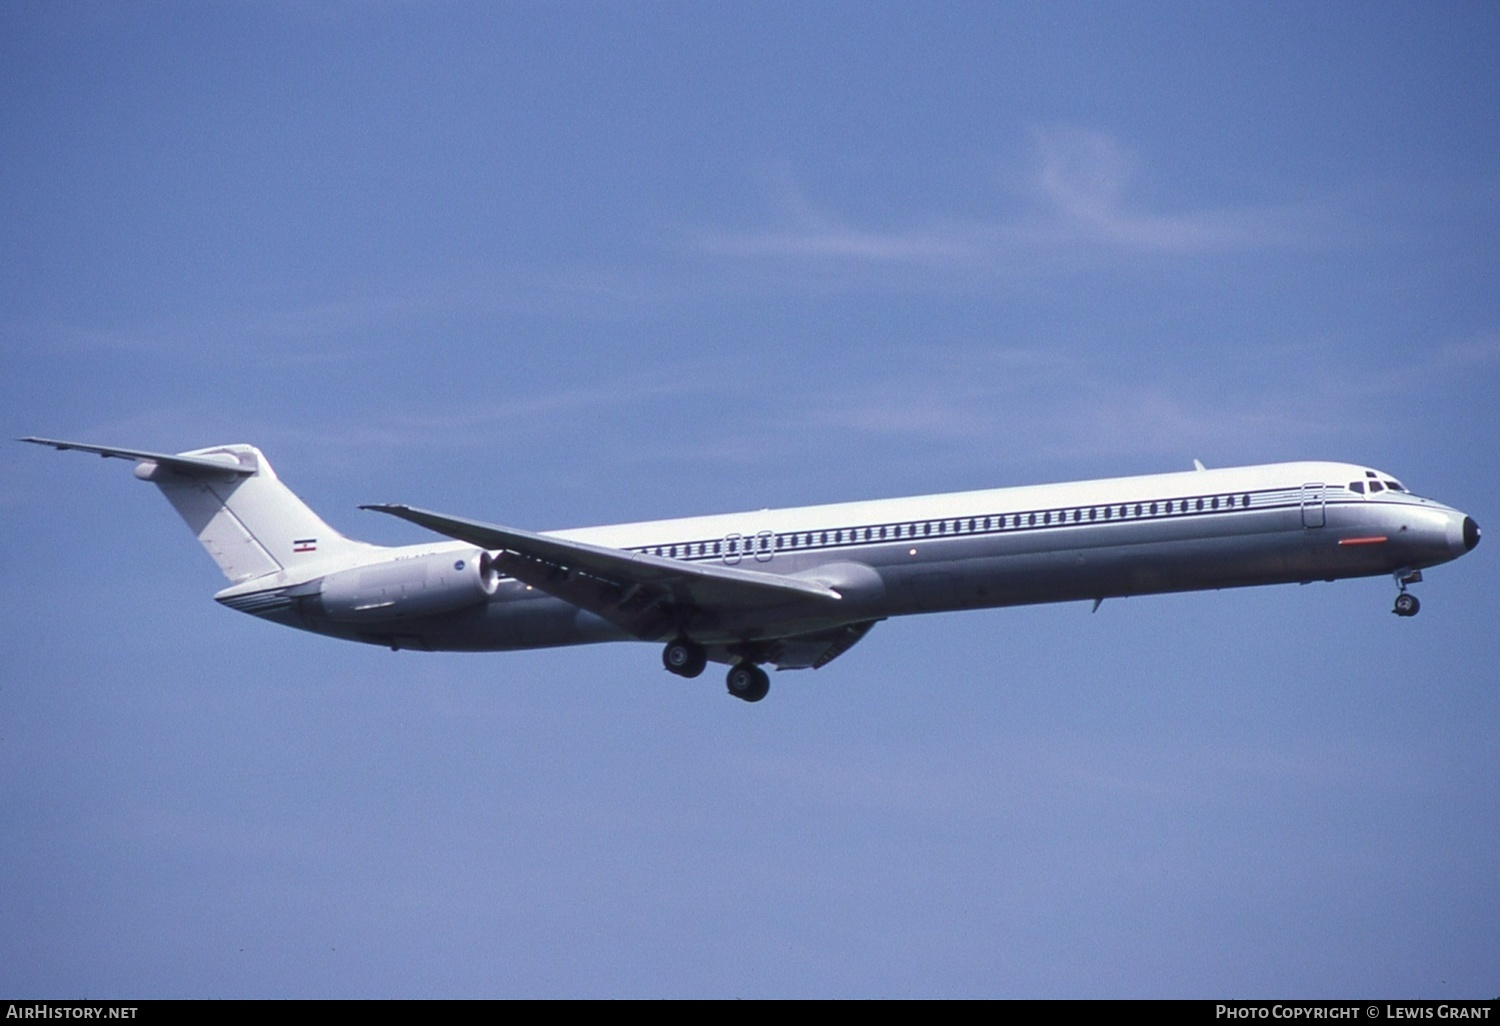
{"x": 1313, "y": 513}
{"x": 765, "y": 546}
{"x": 732, "y": 550}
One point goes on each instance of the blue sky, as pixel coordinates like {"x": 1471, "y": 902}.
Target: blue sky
{"x": 567, "y": 264}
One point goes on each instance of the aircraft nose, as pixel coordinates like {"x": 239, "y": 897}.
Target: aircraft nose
{"x": 1471, "y": 534}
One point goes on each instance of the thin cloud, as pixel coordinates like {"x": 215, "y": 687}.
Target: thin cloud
{"x": 1085, "y": 179}
{"x": 1050, "y": 405}
{"x": 343, "y": 324}
{"x": 1076, "y": 201}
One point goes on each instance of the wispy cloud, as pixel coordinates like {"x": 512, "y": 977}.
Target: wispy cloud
{"x": 343, "y": 323}
{"x": 1021, "y": 408}
{"x": 1078, "y": 199}
{"x": 1085, "y": 181}
{"x": 1078, "y": 204}
{"x": 1476, "y": 357}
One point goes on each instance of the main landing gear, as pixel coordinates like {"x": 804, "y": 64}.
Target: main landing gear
{"x": 684, "y": 657}
{"x": 1406, "y": 602}
{"x": 748, "y": 682}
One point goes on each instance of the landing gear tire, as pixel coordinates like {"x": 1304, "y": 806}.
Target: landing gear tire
{"x": 684, "y": 657}
{"x": 1406, "y": 604}
{"x": 748, "y": 682}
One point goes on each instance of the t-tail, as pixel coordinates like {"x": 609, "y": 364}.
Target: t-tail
{"x": 248, "y": 521}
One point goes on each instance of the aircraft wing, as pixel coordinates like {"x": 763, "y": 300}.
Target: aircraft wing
{"x": 192, "y": 466}
{"x": 634, "y": 590}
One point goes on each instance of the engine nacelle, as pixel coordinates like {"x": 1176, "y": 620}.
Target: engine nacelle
{"x": 438, "y": 582}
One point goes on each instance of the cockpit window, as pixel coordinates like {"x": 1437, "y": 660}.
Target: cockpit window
{"x": 1357, "y": 486}
{"x": 1376, "y": 486}
{"x": 1395, "y": 486}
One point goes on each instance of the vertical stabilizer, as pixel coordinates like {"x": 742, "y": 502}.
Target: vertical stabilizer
{"x": 248, "y": 521}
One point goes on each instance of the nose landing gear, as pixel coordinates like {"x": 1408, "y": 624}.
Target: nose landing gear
{"x": 1406, "y": 603}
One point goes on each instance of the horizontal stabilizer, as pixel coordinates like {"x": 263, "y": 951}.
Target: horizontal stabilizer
{"x": 246, "y": 519}
{"x": 191, "y": 466}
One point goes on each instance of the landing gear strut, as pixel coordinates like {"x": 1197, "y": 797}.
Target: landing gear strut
{"x": 1406, "y": 602}
{"x": 684, "y": 657}
{"x": 748, "y": 682}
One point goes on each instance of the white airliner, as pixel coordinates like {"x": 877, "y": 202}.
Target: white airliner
{"x": 793, "y": 588}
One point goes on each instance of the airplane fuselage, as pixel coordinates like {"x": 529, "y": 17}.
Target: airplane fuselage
{"x": 1092, "y": 540}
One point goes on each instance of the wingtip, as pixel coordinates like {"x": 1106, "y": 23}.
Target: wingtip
{"x": 55, "y": 443}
